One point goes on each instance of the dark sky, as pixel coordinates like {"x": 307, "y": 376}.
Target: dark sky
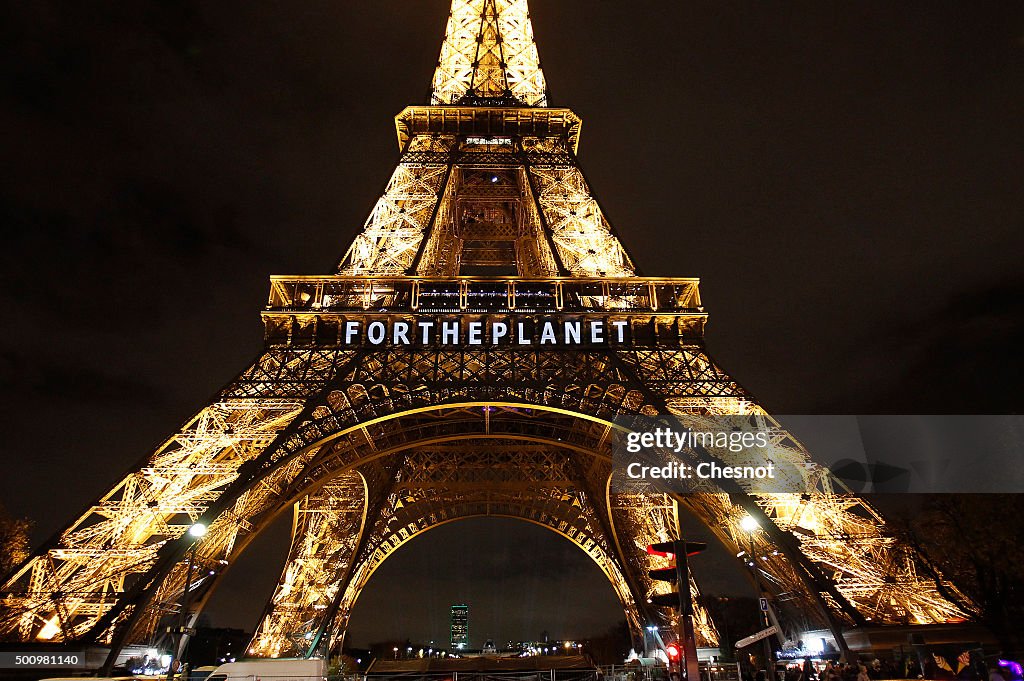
{"x": 846, "y": 178}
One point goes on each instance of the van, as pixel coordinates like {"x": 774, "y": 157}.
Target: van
{"x": 271, "y": 669}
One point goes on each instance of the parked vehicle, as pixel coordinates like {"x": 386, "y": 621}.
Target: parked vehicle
{"x": 278, "y": 669}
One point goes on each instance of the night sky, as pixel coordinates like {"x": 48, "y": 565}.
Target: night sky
{"x": 846, "y": 179}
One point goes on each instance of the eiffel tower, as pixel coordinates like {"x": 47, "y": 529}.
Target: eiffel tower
{"x": 415, "y": 386}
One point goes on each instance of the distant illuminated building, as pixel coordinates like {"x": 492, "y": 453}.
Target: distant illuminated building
{"x": 460, "y": 627}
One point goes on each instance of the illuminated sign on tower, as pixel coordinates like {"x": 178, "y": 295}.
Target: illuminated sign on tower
{"x": 460, "y": 627}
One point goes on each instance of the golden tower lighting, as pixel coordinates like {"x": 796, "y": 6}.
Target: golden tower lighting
{"x": 371, "y": 424}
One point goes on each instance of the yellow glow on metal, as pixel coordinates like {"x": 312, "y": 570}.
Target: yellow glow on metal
{"x": 489, "y": 51}
{"x": 49, "y": 630}
{"x": 372, "y": 446}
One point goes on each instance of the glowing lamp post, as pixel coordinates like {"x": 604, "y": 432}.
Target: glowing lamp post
{"x": 749, "y": 524}
{"x": 197, "y": 531}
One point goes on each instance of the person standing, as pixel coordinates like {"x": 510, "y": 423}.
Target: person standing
{"x": 808, "y": 673}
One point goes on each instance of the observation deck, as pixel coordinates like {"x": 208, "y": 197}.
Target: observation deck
{"x": 487, "y": 121}
{"x": 317, "y": 309}
{"x": 483, "y": 295}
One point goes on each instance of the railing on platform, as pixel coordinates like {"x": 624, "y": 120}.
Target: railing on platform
{"x": 709, "y": 671}
{"x": 482, "y": 295}
{"x": 567, "y": 674}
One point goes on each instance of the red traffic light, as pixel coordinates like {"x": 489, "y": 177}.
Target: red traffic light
{"x": 664, "y": 550}
{"x": 669, "y": 600}
{"x": 673, "y": 650}
{"x": 669, "y": 574}
{"x": 669, "y": 549}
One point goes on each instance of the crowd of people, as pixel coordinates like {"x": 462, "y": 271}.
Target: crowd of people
{"x": 879, "y": 670}
{"x": 858, "y": 671}
{"x": 844, "y": 671}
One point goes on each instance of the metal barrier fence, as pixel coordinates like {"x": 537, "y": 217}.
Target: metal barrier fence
{"x": 708, "y": 672}
{"x": 523, "y": 675}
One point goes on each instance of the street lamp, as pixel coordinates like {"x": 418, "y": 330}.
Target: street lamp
{"x": 749, "y": 524}
{"x": 197, "y": 531}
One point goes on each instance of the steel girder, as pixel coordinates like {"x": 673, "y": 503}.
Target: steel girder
{"x": 377, "y": 404}
{"x": 415, "y": 225}
{"x": 489, "y": 53}
{"x": 443, "y": 482}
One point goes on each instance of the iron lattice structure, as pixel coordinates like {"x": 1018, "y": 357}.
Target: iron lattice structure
{"x": 486, "y": 217}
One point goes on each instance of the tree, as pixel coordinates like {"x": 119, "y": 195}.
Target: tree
{"x": 343, "y": 665}
{"x": 973, "y": 541}
{"x": 734, "y": 617}
{"x": 14, "y": 547}
{"x": 610, "y": 647}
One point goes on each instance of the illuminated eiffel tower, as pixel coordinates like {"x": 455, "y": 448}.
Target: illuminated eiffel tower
{"x": 422, "y": 382}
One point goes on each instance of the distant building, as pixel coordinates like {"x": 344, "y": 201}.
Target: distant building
{"x": 460, "y": 627}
